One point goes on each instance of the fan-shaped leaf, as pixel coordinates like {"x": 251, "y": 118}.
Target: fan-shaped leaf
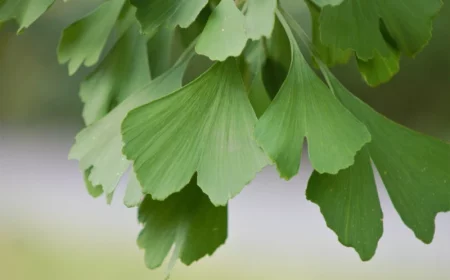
{"x": 186, "y": 220}
{"x": 122, "y": 72}
{"x": 415, "y": 168}
{"x": 355, "y": 24}
{"x": 25, "y": 12}
{"x": 167, "y": 13}
{"x": 99, "y": 145}
{"x": 84, "y": 40}
{"x": 205, "y": 127}
{"x": 350, "y": 204}
{"x": 224, "y": 34}
{"x": 260, "y": 18}
{"x": 305, "y": 107}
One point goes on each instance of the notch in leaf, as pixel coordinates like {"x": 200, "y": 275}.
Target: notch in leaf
{"x": 355, "y": 25}
{"x": 205, "y": 127}
{"x": 305, "y": 107}
{"x": 415, "y": 170}
{"x": 187, "y": 221}
{"x": 98, "y": 147}
{"x": 84, "y": 40}
{"x": 169, "y": 14}
{"x": 24, "y": 12}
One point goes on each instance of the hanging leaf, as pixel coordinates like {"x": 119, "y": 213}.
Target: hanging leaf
{"x": 205, "y": 127}
{"x": 99, "y": 145}
{"x": 25, "y": 12}
{"x": 415, "y": 168}
{"x": 260, "y": 18}
{"x": 122, "y": 72}
{"x": 94, "y": 191}
{"x": 328, "y": 54}
{"x": 224, "y": 34}
{"x": 166, "y": 13}
{"x": 350, "y": 204}
{"x": 84, "y": 40}
{"x": 186, "y": 220}
{"x": 297, "y": 112}
{"x": 133, "y": 194}
{"x": 355, "y": 24}
{"x": 380, "y": 69}
{"x": 160, "y": 51}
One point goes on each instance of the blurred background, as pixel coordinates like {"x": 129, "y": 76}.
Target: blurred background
{"x": 50, "y": 228}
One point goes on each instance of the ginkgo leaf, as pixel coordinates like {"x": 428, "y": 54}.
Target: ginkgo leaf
{"x": 355, "y": 24}
{"x": 328, "y": 54}
{"x": 415, "y": 168}
{"x": 167, "y": 13}
{"x": 350, "y": 204}
{"x": 159, "y": 49}
{"x": 94, "y": 191}
{"x": 205, "y": 127}
{"x": 260, "y": 18}
{"x": 187, "y": 221}
{"x": 380, "y": 69}
{"x": 224, "y": 34}
{"x": 254, "y": 59}
{"x": 133, "y": 194}
{"x": 124, "y": 70}
{"x": 25, "y": 12}
{"x": 84, "y": 40}
{"x": 305, "y": 107}
{"x": 99, "y": 145}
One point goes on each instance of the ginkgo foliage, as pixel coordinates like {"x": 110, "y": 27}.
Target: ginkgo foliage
{"x": 187, "y": 148}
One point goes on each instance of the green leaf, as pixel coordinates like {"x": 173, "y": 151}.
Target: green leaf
{"x": 278, "y": 62}
{"x": 160, "y": 51}
{"x": 328, "y": 54}
{"x": 133, "y": 194}
{"x": 25, "y": 12}
{"x": 84, "y": 40}
{"x": 415, "y": 168}
{"x": 224, "y": 34}
{"x": 205, "y": 127}
{"x": 167, "y": 13}
{"x": 94, "y": 191}
{"x": 122, "y": 72}
{"x": 99, "y": 145}
{"x": 355, "y": 24}
{"x": 350, "y": 204}
{"x": 305, "y": 107}
{"x": 260, "y": 18}
{"x": 380, "y": 69}
{"x": 186, "y": 220}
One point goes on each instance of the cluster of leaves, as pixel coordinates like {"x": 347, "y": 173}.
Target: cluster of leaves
{"x": 192, "y": 147}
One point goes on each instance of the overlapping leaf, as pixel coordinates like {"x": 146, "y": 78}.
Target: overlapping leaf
{"x": 260, "y": 18}
{"x": 305, "y": 107}
{"x": 415, "y": 168}
{"x": 186, "y": 220}
{"x": 167, "y": 13}
{"x": 224, "y": 34}
{"x": 380, "y": 69}
{"x": 205, "y": 127}
{"x": 355, "y": 24}
{"x": 122, "y": 72}
{"x": 350, "y": 204}
{"x": 84, "y": 40}
{"x": 25, "y": 12}
{"x": 328, "y": 54}
{"x": 98, "y": 146}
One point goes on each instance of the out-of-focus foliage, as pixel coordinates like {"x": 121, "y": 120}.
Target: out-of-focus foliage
{"x": 138, "y": 112}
